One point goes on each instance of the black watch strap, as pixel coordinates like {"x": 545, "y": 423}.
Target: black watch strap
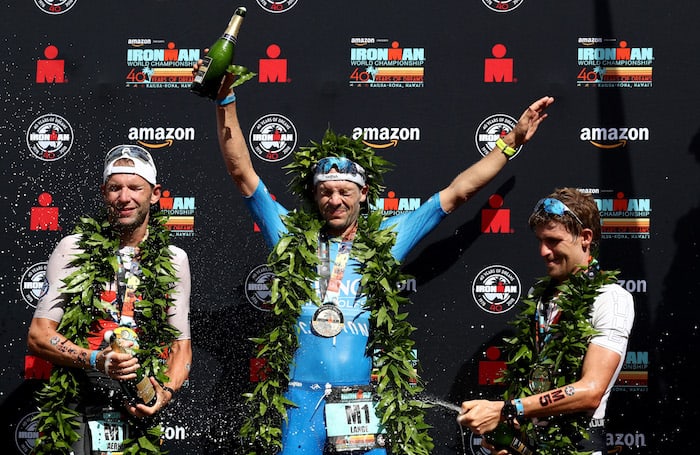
{"x": 508, "y": 413}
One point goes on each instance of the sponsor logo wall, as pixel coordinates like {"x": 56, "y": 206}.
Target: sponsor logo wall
{"x": 431, "y": 88}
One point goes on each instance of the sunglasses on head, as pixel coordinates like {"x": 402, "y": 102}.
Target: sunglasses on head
{"x": 129, "y": 151}
{"x": 342, "y": 164}
{"x": 554, "y": 207}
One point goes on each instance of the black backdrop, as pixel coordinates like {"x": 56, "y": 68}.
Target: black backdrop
{"x": 83, "y": 76}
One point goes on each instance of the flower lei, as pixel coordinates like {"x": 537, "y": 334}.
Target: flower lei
{"x": 562, "y": 355}
{"x": 96, "y": 266}
{"x": 293, "y": 262}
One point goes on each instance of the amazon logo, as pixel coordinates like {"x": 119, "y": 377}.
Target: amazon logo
{"x": 382, "y": 137}
{"x": 613, "y": 138}
{"x": 160, "y": 136}
{"x": 362, "y": 41}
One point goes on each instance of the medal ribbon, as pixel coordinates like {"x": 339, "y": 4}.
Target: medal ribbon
{"x": 543, "y": 320}
{"x": 126, "y": 282}
{"x": 329, "y": 283}
{"x": 540, "y": 376}
{"x": 328, "y": 319}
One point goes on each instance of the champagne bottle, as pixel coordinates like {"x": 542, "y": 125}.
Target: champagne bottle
{"x": 139, "y": 390}
{"x": 210, "y": 74}
{"x": 506, "y": 437}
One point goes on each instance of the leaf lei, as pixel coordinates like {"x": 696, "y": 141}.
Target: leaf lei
{"x": 243, "y": 74}
{"x": 563, "y": 354}
{"x": 96, "y": 267}
{"x": 332, "y": 144}
{"x": 293, "y": 261}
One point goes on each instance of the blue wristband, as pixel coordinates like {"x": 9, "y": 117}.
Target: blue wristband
{"x": 228, "y": 100}
{"x": 520, "y": 410}
{"x": 93, "y": 359}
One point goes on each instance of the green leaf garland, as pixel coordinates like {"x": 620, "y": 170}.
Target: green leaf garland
{"x": 563, "y": 354}
{"x": 243, "y": 74}
{"x": 390, "y": 341}
{"x": 96, "y": 266}
{"x": 293, "y": 261}
{"x": 332, "y": 144}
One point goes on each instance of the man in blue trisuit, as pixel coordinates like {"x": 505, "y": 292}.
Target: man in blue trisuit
{"x": 340, "y": 188}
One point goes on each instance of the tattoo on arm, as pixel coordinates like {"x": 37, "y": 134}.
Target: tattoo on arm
{"x": 556, "y": 395}
{"x": 83, "y": 358}
{"x": 79, "y": 356}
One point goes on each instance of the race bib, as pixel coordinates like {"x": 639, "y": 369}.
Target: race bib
{"x": 108, "y": 433}
{"x": 352, "y": 422}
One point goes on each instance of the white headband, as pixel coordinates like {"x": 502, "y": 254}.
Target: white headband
{"x": 143, "y": 163}
{"x": 336, "y": 176}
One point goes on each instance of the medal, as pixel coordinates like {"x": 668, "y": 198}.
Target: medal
{"x": 327, "y": 321}
{"x": 540, "y": 379}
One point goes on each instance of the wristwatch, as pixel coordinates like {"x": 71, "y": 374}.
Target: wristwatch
{"x": 508, "y": 413}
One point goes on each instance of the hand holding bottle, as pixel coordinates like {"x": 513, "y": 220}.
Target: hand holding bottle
{"x": 226, "y": 87}
{"x": 507, "y": 439}
{"x": 211, "y": 71}
{"x": 137, "y": 387}
{"x": 501, "y": 435}
{"x": 115, "y": 363}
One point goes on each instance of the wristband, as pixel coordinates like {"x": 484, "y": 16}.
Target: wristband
{"x": 509, "y": 412}
{"x": 519, "y": 408}
{"x": 93, "y": 359}
{"x": 172, "y": 392}
{"x": 506, "y": 149}
{"x": 226, "y": 101}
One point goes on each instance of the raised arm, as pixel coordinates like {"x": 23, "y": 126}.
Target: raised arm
{"x": 471, "y": 180}
{"x": 233, "y": 146}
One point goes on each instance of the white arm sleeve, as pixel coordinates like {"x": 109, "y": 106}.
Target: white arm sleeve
{"x": 613, "y": 316}
{"x": 51, "y": 304}
{"x": 179, "y": 312}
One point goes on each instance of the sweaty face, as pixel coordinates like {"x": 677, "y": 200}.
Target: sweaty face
{"x": 128, "y": 198}
{"x": 562, "y": 252}
{"x": 339, "y": 204}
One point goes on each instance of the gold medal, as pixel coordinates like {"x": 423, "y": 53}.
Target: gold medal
{"x": 327, "y": 321}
